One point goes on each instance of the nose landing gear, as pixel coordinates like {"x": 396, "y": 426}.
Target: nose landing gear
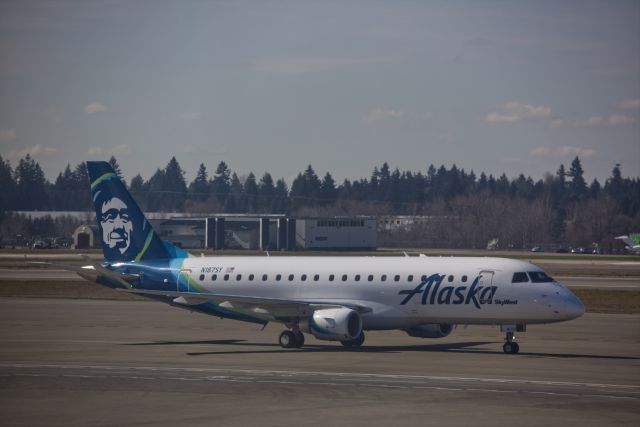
{"x": 511, "y": 346}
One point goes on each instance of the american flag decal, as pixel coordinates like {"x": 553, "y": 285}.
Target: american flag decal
{"x": 229, "y": 269}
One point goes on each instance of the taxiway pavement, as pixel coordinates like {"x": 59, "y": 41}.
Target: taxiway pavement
{"x": 97, "y": 362}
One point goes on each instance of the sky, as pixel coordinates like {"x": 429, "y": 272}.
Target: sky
{"x": 493, "y": 86}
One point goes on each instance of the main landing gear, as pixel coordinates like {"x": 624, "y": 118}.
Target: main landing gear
{"x": 356, "y": 342}
{"x": 291, "y": 339}
{"x": 511, "y": 346}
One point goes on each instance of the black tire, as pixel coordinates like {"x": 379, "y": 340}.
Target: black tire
{"x": 511, "y": 347}
{"x": 287, "y": 339}
{"x": 299, "y": 339}
{"x": 356, "y": 342}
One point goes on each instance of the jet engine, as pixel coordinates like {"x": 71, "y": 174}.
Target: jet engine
{"x": 334, "y": 324}
{"x": 431, "y": 330}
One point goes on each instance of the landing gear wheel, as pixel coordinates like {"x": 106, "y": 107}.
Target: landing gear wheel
{"x": 299, "y": 339}
{"x": 511, "y": 347}
{"x": 287, "y": 339}
{"x": 356, "y": 342}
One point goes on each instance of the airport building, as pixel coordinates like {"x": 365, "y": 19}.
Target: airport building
{"x": 250, "y": 231}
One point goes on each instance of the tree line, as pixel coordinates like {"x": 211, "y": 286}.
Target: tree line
{"x": 465, "y": 210}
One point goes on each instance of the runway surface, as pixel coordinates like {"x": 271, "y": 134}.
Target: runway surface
{"x": 88, "y": 362}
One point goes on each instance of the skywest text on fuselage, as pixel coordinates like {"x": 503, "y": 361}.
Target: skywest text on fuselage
{"x": 433, "y": 294}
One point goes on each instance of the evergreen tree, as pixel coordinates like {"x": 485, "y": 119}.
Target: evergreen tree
{"x": 199, "y": 188}
{"x": 281, "y": 197}
{"x": 266, "y": 190}
{"x": 155, "y": 195}
{"x": 116, "y": 167}
{"x": 251, "y": 193}
{"x": 31, "y": 185}
{"x": 9, "y": 190}
{"x": 328, "y": 191}
{"x": 221, "y": 183}
{"x": 578, "y": 186}
{"x": 175, "y": 186}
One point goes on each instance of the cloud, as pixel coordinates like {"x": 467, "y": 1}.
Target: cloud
{"x": 95, "y": 107}
{"x": 629, "y": 104}
{"x": 191, "y": 115}
{"x": 613, "y": 120}
{"x": 305, "y": 65}
{"x": 8, "y": 134}
{"x": 118, "y": 150}
{"x": 514, "y": 111}
{"x": 37, "y": 150}
{"x": 563, "y": 151}
{"x": 380, "y": 114}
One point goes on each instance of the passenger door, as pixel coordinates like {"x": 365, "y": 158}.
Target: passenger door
{"x": 182, "y": 284}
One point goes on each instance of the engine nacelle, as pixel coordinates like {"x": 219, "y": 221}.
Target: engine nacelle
{"x": 431, "y": 330}
{"x": 334, "y": 324}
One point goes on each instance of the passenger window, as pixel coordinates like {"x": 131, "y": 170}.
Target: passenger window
{"x": 316, "y": 277}
{"x": 370, "y": 278}
{"x": 202, "y": 277}
{"x": 520, "y": 277}
{"x": 383, "y": 278}
{"x": 303, "y": 277}
{"x": 344, "y": 277}
{"x": 264, "y": 277}
{"x": 464, "y": 278}
{"x": 278, "y": 277}
{"x": 239, "y": 277}
{"x": 450, "y": 278}
{"x": 357, "y": 277}
{"x": 214, "y": 277}
{"x": 291, "y": 277}
{"x": 396, "y": 278}
{"x": 331, "y": 277}
{"x": 410, "y": 278}
{"x": 540, "y": 277}
{"x": 251, "y": 276}
{"x": 226, "y": 277}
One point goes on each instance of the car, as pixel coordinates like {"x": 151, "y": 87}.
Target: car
{"x": 537, "y": 249}
{"x": 38, "y": 244}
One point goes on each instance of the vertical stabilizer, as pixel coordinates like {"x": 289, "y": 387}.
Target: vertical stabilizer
{"x": 125, "y": 232}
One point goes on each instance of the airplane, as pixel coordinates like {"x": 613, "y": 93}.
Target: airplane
{"x": 331, "y": 298}
{"x": 632, "y": 243}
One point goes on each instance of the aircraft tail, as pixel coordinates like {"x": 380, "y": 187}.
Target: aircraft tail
{"x": 627, "y": 240}
{"x": 126, "y": 234}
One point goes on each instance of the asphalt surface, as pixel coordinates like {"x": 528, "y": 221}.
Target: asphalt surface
{"x": 88, "y": 362}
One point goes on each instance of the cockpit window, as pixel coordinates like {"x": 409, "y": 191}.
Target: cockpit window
{"x": 540, "y": 277}
{"x": 519, "y": 277}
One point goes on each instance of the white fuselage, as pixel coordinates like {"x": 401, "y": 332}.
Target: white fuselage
{"x": 402, "y": 292}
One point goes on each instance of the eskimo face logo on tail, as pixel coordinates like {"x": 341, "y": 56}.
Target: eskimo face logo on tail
{"x": 116, "y": 224}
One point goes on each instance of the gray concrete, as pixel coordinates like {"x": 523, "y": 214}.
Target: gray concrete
{"x": 81, "y": 362}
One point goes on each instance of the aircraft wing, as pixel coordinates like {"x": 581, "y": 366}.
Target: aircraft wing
{"x": 277, "y": 308}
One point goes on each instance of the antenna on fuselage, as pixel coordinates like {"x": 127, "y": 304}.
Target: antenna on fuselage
{"x": 405, "y": 254}
{"x": 267, "y": 252}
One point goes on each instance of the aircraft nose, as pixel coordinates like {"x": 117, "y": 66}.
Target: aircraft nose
{"x": 573, "y": 307}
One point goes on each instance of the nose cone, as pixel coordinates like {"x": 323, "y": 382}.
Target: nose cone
{"x": 572, "y": 307}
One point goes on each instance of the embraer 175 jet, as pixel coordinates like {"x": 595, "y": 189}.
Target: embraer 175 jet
{"x": 331, "y": 298}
